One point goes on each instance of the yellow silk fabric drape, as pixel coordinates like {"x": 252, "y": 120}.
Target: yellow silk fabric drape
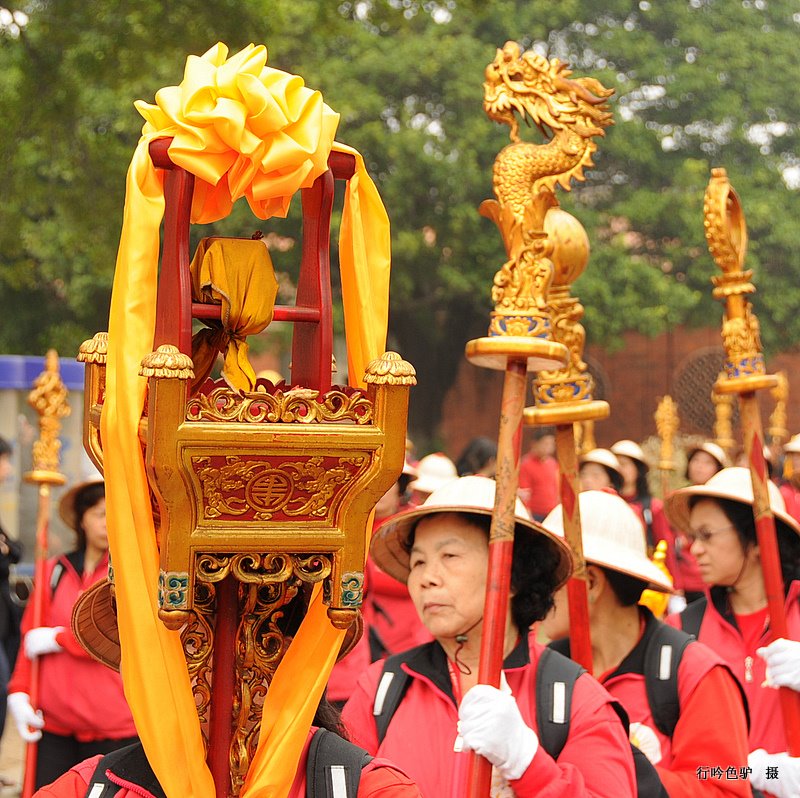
{"x": 237, "y": 273}
{"x": 245, "y": 130}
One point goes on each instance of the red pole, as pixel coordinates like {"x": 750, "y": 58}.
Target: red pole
{"x": 501, "y": 546}
{"x": 577, "y": 594}
{"x": 223, "y": 683}
{"x": 39, "y": 601}
{"x": 769, "y": 554}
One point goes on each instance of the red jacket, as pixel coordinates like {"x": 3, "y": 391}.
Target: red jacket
{"x": 538, "y": 484}
{"x": 791, "y": 497}
{"x": 596, "y": 760}
{"x": 720, "y": 633}
{"x": 78, "y": 696}
{"x": 712, "y": 727}
{"x": 379, "y": 779}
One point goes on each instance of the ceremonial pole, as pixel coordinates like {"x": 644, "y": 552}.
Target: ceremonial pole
{"x": 667, "y": 422}
{"x": 564, "y": 399}
{"x": 745, "y": 373}
{"x": 520, "y": 336}
{"x": 49, "y": 399}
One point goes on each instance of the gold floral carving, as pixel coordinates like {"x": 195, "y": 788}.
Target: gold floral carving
{"x": 390, "y": 369}
{"x": 263, "y": 569}
{"x": 95, "y": 350}
{"x": 295, "y": 488}
{"x": 197, "y": 638}
{"x": 49, "y": 399}
{"x": 298, "y": 405}
{"x": 168, "y": 362}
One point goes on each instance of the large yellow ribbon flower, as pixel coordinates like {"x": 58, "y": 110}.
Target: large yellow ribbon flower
{"x": 244, "y": 130}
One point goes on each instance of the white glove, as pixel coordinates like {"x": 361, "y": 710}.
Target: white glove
{"x": 490, "y": 724}
{"x": 783, "y": 663}
{"x": 785, "y": 767}
{"x": 19, "y": 705}
{"x": 42, "y": 640}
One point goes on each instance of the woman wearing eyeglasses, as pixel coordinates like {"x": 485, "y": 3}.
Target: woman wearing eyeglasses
{"x": 733, "y": 618}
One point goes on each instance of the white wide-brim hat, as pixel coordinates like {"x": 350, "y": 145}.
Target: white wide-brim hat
{"x": 710, "y": 448}
{"x": 463, "y": 495}
{"x": 433, "y": 471}
{"x": 603, "y": 457}
{"x": 792, "y": 446}
{"x": 630, "y": 449}
{"x": 734, "y": 484}
{"x": 613, "y": 537}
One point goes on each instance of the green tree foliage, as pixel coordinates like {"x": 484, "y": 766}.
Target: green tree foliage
{"x": 699, "y": 83}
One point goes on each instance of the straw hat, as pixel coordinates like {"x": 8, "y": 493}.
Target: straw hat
{"x": 94, "y": 624}
{"x": 66, "y": 507}
{"x": 792, "y": 446}
{"x": 603, "y": 457}
{"x": 613, "y": 537}
{"x": 733, "y": 483}
{"x": 433, "y": 471}
{"x": 630, "y": 449}
{"x": 709, "y": 447}
{"x": 409, "y": 470}
{"x": 472, "y": 494}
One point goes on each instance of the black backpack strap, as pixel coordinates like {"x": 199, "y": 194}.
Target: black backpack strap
{"x": 391, "y": 688}
{"x": 692, "y": 616}
{"x": 662, "y": 657}
{"x": 131, "y": 765}
{"x": 55, "y": 576}
{"x": 334, "y": 765}
{"x": 555, "y": 681}
{"x": 648, "y": 782}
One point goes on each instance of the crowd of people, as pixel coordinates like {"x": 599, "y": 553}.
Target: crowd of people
{"x": 680, "y": 705}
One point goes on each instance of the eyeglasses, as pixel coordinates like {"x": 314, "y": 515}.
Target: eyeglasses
{"x": 704, "y": 534}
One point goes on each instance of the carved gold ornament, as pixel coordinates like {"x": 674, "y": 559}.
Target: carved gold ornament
{"x": 263, "y": 488}
{"x": 167, "y": 361}
{"x": 726, "y": 234}
{"x": 297, "y": 405}
{"x": 723, "y": 418}
{"x": 95, "y": 350}
{"x": 390, "y": 369}
{"x": 49, "y": 399}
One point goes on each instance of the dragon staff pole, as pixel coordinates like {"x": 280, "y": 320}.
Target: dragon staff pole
{"x": 49, "y": 399}
{"x": 520, "y": 337}
{"x": 745, "y": 373}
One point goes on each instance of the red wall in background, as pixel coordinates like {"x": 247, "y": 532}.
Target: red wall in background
{"x": 632, "y": 379}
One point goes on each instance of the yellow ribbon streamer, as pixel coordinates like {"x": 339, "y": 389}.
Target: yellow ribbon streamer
{"x": 244, "y": 130}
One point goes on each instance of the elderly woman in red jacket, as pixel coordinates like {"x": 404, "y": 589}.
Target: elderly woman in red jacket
{"x": 733, "y": 617}
{"x": 710, "y": 725}
{"x": 441, "y": 551}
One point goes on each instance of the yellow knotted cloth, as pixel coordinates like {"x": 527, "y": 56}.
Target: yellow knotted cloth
{"x": 237, "y": 274}
{"x": 244, "y": 130}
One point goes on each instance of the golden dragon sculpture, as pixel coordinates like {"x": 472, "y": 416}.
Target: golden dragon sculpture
{"x": 569, "y": 112}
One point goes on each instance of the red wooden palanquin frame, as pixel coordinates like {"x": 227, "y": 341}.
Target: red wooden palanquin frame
{"x": 312, "y": 351}
{"x": 312, "y": 315}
